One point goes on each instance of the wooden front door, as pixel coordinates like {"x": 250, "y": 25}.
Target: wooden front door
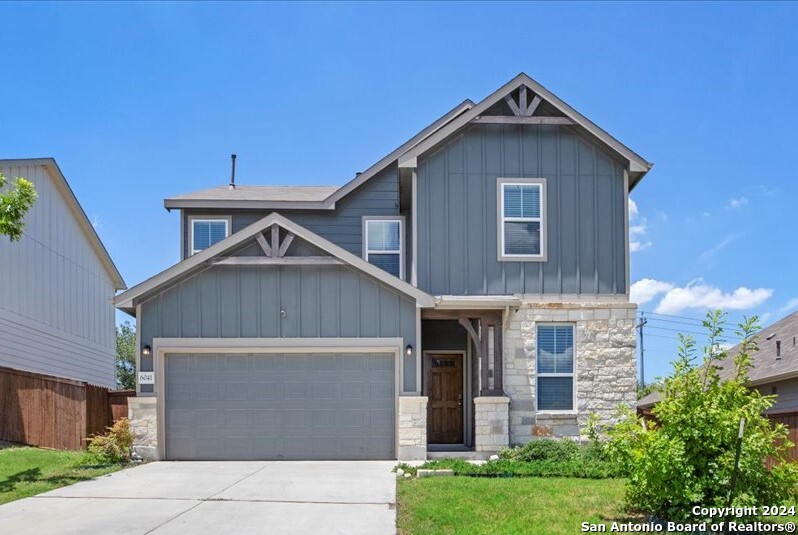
{"x": 444, "y": 381}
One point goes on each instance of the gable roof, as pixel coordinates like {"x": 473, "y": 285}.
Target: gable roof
{"x": 302, "y": 197}
{"x": 638, "y": 166}
{"x": 78, "y": 213}
{"x": 282, "y": 197}
{"x": 126, "y": 301}
{"x": 767, "y": 367}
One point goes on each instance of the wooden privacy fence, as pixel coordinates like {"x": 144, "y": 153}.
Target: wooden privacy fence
{"x": 789, "y": 419}
{"x": 52, "y": 412}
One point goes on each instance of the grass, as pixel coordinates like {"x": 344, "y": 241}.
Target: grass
{"x": 28, "y": 471}
{"x": 544, "y": 506}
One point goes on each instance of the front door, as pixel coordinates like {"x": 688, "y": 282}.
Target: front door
{"x": 444, "y": 380}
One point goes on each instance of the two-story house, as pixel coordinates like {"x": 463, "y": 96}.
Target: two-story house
{"x": 56, "y": 288}
{"x": 468, "y": 291}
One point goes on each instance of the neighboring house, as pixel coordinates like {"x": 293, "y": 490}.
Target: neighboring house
{"x": 468, "y": 291}
{"x": 774, "y": 371}
{"x": 57, "y": 285}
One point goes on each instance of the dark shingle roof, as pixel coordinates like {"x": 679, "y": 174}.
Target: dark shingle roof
{"x": 768, "y": 367}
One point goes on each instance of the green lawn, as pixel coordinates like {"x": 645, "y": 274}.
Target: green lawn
{"x": 540, "y": 506}
{"x": 28, "y": 471}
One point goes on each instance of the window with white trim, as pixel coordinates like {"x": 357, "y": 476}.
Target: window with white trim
{"x": 207, "y": 232}
{"x": 521, "y": 232}
{"x": 555, "y": 367}
{"x": 382, "y": 245}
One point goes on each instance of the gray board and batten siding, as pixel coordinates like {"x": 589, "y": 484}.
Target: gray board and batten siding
{"x": 246, "y": 302}
{"x": 343, "y": 226}
{"x": 458, "y": 213}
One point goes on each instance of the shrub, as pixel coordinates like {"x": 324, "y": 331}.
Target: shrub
{"x": 687, "y": 459}
{"x": 544, "y": 449}
{"x": 114, "y": 446}
{"x": 540, "y": 468}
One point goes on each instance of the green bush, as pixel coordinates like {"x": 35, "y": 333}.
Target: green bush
{"x": 579, "y": 468}
{"x": 543, "y": 449}
{"x": 114, "y": 446}
{"x": 687, "y": 459}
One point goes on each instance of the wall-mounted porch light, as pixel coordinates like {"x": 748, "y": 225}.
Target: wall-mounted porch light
{"x": 409, "y": 350}
{"x": 146, "y": 351}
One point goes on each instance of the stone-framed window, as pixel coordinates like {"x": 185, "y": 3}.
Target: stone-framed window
{"x": 556, "y": 391}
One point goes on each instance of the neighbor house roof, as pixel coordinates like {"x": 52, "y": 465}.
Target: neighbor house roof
{"x": 127, "y": 300}
{"x": 768, "y": 367}
{"x": 78, "y": 213}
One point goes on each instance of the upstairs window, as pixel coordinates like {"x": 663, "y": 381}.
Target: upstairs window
{"x": 555, "y": 367}
{"x": 207, "y": 232}
{"x": 522, "y": 210}
{"x": 383, "y": 244}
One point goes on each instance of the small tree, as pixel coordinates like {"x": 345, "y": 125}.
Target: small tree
{"x": 14, "y": 205}
{"x": 687, "y": 458}
{"x": 125, "y": 356}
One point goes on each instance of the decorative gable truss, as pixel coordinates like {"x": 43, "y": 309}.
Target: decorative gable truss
{"x": 523, "y": 106}
{"x": 272, "y": 250}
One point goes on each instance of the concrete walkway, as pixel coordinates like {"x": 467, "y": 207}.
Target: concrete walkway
{"x": 199, "y": 498}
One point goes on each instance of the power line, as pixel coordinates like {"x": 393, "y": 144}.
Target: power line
{"x": 699, "y": 321}
{"x": 703, "y": 335}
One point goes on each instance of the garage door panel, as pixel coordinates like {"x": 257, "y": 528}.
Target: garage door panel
{"x": 279, "y": 406}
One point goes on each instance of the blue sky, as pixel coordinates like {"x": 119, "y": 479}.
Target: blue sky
{"x": 141, "y": 101}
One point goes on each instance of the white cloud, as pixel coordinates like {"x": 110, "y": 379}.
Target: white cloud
{"x": 645, "y": 290}
{"x": 737, "y": 203}
{"x": 702, "y": 296}
{"x": 96, "y": 222}
{"x": 633, "y": 211}
{"x": 768, "y": 191}
{"x": 708, "y": 256}
{"x": 638, "y": 226}
{"x": 791, "y": 305}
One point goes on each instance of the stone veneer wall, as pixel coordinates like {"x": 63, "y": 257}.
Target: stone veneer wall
{"x": 606, "y": 366}
{"x": 491, "y": 417}
{"x": 412, "y": 428}
{"x": 143, "y": 415}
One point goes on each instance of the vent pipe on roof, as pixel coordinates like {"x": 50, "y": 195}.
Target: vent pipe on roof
{"x": 233, "y": 172}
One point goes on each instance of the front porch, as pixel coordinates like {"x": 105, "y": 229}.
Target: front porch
{"x": 467, "y": 412}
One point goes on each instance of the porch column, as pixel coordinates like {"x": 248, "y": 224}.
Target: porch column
{"x": 480, "y": 337}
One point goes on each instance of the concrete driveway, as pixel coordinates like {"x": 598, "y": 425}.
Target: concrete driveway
{"x": 227, "y": 498}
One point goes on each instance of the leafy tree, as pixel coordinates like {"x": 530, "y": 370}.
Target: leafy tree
{"x": 126, "y": 356}
{"x": 15, "y": 203}
{"x": 687, "y": 458}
